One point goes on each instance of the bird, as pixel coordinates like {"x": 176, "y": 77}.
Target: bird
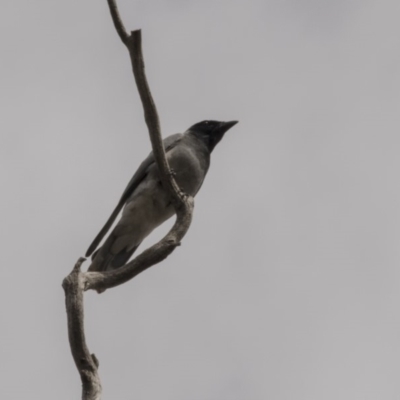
{"x": 145, "y": 203}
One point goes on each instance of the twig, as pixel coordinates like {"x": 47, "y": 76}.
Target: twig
{"x": 119, "y": 26}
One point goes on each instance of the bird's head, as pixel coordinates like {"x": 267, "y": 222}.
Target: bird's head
{"x": 211, "y": 132}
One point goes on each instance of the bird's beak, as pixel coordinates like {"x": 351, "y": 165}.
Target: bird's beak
{"x": 225, "y": 126}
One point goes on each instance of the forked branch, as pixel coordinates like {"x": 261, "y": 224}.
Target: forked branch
{"x": 77, "y": 282}
{"x": 119, "y": 26}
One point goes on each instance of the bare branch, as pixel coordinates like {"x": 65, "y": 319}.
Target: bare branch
{"x": 77, "y": 282}
{"x": 119, "y": 26}
{"x": 151, "y": 117}
{"x": 85, "y": 362}
{"x": 183, "y": 204}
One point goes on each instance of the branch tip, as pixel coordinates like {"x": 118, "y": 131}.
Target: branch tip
{"x": 77, "y": 267}
{"x": 119, "y": 26}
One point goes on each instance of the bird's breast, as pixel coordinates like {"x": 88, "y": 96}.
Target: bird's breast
{"x": 190, "y": 167}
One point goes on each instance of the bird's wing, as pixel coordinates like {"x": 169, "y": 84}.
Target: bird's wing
{"x": 169, "y": 143}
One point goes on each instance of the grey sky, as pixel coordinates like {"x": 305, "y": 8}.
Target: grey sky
{"x": 287, "y": 285}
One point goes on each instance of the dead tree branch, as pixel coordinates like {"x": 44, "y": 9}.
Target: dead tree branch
{"x": 77, "y": 282}
{"x": 85, "y": 362}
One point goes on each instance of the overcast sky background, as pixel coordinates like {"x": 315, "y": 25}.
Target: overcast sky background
{"x": 287, "y": 284}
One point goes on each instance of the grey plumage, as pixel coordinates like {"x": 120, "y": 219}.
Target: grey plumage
{"x": 146, "y": 203}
